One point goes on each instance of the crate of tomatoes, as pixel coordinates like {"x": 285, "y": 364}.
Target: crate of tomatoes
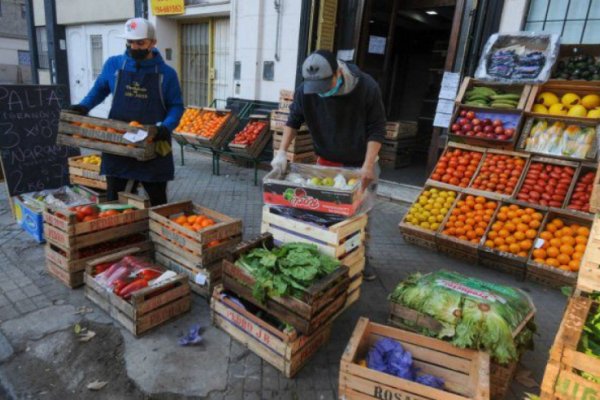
{"x": 206, "y": 127}
{"x": 253, "y": 138}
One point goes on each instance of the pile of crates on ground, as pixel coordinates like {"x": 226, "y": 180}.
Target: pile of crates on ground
{"x": 399, "y": 144}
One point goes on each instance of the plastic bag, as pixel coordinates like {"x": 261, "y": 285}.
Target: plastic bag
{"x": 63, "y": 197}
{"x": 520, "y": 57}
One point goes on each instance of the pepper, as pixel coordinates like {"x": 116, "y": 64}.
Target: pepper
{"x": 103, "y": 267}
{"x": 148, "y": 274}
{"x": 133, "y": 287}
{"x": 120, "y": 284}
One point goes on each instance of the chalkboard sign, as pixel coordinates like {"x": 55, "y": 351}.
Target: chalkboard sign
{"x": 31, "y": 159}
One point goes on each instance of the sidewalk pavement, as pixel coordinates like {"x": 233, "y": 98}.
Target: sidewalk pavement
{"x": 40, "y": 357}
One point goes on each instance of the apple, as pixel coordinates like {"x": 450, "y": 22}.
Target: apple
{"x": 476, "y": 121}
{"x": 490, "y": 136}
{"x": 463, "y": 121}
{"x": 470, "y": 115}
{"x": 480, "y": 134}
{"x": 509, "y": 132}
{"x": 499, "y": 130}
{"x": 487, "y": 121}
{"x": 497, "y": 122}
{"x": 488, "y": 129}
{"x": 455, "y": 127}
{"x": 459, "y": 133}
{"x": 470, "y": 133}
{"x": 478, "y": 128}
{"x": 502, "y": 137}
{"x": 467, "y": 127}
{"x": 463, "y": 113}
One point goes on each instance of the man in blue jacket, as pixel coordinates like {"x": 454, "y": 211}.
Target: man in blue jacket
{"x": 146, "y": 90}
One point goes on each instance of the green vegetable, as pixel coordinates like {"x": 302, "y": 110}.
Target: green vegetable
{"x": 288, "y": 270}
{"x": 590, "y": 338}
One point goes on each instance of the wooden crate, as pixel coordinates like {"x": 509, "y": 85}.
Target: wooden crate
{"x": 481, "y": 192}
{"x": 468, "y": 83}
{"x": 588, "y": 279}
{"x": 278, "y": 119}
{"x": 302, "y": 143}
{"x": 321, "y": 301}
{"x": 220, "y": 136}
{"x": 149, "y": 307}
{"x": 583, "y": 169}
{"x": 562, "y": 379}
{"x": 256, "y": 148}
{"x": 451, "y": 147}
{"x": 559, "y": 88}
{"x": 93, "y": 195}
{"x": 286, "y": 350}
{"x": 546, "y": 274}
{"x": 70, "y": 134}
{"x": 81, "y": 173}
{"x": 501, "y": 375}
{"x": 69, "y": 268}
{"x": 595, "y": 200}
{"x": 194, "y": 248}
{"x": 400, "y": 129}
{"x": 567, "y": 50}
{"x": 466, "y": 372}
{"x": 484, "y": 142}
{"x": 531, "y": 118}
{"x": 62, "y": 229}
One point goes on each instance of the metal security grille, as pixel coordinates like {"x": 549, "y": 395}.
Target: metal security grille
{"x": 222, "y": 65}
{"x": 195, "y": 63}
{"x": 96, "y": 53}
{"x": 577, "y": 21}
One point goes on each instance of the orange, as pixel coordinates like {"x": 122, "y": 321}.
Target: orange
{"x": 519, "y": 235}
{"x": 552, "y": 252}
{"x": 511, "y": 215}
{"x": 563, "y": 259}
{"x": 503, "y": 233}
{"x": 574, "y": 265}
{"x": 207, "y": 222}
{"x": 514, "y": 248}
{"x": 568, "y": 240}
{"x": 557, "y": 222}
{"x": 191, "y": 219}
{"x": 565, "y": 268}
{"x": 546, "y": 235}
{"x": 530, "y": 234}
{"x": 503, "y": 248}
{"x": 509, "y": 226}
{"x": 567, "y": 249}
{"x": 516, "y": 221}
{"x": 526, "y": 218}
{"x": 580, "y": 248}
{"x": 566, "y": 231}
{"x": 504, "y": 209}
{"x": 558, "y": 233}
{"x": 471, "y": 235}
{"x": 539, "y": 253}
{"x": 492, "y": 235}
{"x": 535, "y": 223}
{"x": 539, "y": 260}
{"x": 522, "y": 227}
{"x": 537, "y": 216}
{"x": 555, "y": 242}
{"x": 526, "y": 244}
{"x": 510, "y": 240}
{"x": 529, "y": 211}
{"x": 577, "y": 255}
{"x": 489, "y": 243}
{"x": 499, "y": 241}
{"x": 583, "y": 231}
{"x": 513, "y": 207}
{"x": 581, "y": 240}
{"x": 501, "y": 216}
{"x": 552, "y": 262}
{"x": 523, "y": 254}
{"x": 181, "y": 220}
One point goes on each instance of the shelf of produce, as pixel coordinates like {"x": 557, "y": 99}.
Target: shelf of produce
{"x": 589, "y": 54}
{"x": 504, "y": 258}
{"x": 536, "y": 188}
{"x": 103, "y": 135}
{"x": 194, "y": 248}
{"x": 499, "y": 162}
{"x": 588, "y": 280}
{"x": 563, "y": 375}
{"x": 546, "y": 129}
{"x": 148, "y": 307}
{"x": 425, "y": 236}
{"x": 547, "y": 273}
{"x": 217, "y": 138}
{"x": 568, "y": 99}
{"x": 517, "y": 94}
{"x": 445, "y": 172}
{"x": 449, "y": 239}
{"x": 285, "y": 349}
{"x": 579, "y": 198}
{"x": 321, "y": 301}
{"x": 69, "y": 267}
{"x": 263, "y": 136}
{"x": 504, "y": 127}
{"x": 465, "y": 372}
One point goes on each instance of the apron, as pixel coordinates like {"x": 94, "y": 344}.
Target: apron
{"x": 138, "y": 97}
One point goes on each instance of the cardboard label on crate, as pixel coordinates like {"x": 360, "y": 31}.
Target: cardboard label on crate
{"x": 248, "y": 327}
{"x": 200, "y": 279}
{"x": 136, "y": 137}
{"x": 538, "y": 243}
{"x": 353, "y": 242}
{"x": 92, "y": 175}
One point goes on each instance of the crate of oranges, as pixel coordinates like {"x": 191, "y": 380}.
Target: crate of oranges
{"x": 510, "y": 238}
{"x": 105, "y": 135}
{"x": 207, "y": 127}
{"x": 426, "y": 215}
{"x": 559, "y": 249}
{"x": 194, "y": 238}
{"x": 457, "y": 165}
{"x": 465, "y": 226}
{"x": 500, "y": 173}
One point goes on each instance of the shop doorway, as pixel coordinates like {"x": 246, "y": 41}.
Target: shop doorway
{"x": 403, "y": 44}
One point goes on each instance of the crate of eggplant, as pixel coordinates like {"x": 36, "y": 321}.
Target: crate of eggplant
{"x": 295, "y": 282}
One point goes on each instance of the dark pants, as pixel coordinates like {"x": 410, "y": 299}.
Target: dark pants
{"x": 157, "y": 191}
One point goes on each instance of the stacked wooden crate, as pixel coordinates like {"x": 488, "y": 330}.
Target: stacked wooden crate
{"x": 70, "y": 244}
{"x": 301, "y": 149}
{"x": 399, "y": 144}
{"x": 195, "y": 253}
{"x": 85, "y": 171}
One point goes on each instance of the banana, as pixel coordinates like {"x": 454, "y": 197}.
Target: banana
{"x": 507, "y": 96}
{"x": 497, "y": 104}
{"x": 486, "y": 91}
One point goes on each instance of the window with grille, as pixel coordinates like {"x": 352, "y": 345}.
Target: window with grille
{"x": 42, "y": 43}
{"x": 577, "y": 21}
{"x": 96, "y": 52}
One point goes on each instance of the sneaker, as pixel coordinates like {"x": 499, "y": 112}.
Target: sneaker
{"x": 368, "y": 274}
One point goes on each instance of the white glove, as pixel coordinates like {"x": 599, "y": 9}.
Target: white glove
{"x": 279, "y": 162}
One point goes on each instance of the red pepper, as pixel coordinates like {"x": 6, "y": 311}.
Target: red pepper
{"x": 120, "y": 284}
{"x": 133, "y": 287}
{"x": 103, "y": 267}
{"x": 149, "y": 274}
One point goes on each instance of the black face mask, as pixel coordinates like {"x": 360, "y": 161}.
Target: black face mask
{"x": 138, "y": 54}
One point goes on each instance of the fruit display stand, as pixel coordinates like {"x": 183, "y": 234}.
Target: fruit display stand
{"x": 195, "y": 253}
{"x": 577, "y": 100}
{"x": 344, "y": 240}
{"x": 492, "y": 95}
{"x": 105, "y": 135}
{"x": 285, "y": 349}
{"x": 562, "y": 377}
{"x": 255, "y": 148}
{"x": 86, "y": 173}
{"x": 319, "y": 304}
{"x": 466, "y": 372}
{"x": 552, "y": 275}
{"x": 206, "y": 136}
{"x": 67, "y": 237}
{"x": 562, "y": 137}
{"x": 149, "y": 307}
{"x": 425, "y": 236}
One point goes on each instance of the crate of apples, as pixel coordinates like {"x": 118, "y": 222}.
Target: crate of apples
{"x": 479, "y": 125}
{"x": 499, "y": 173}
{"x": 457, "y": 166}
{"x": 546, "y": 184}
{"x": 580, "y": 198}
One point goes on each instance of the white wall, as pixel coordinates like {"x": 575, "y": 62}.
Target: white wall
{"x": 8, "y": 50}
{"x": 39, "y": 15}
{"x": 70, "y": 12}
{"x": 513, "y": 15}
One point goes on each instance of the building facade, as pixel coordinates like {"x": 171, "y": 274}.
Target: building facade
{"x": 14, "y": 46}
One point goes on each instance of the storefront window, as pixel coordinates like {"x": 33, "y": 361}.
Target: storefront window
{"x": 577, "y": 21}
{"x": 42, "y": 42}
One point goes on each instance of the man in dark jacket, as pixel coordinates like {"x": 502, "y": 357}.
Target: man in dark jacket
{"x": 344, "y": 112}
{"x": 146, "y": 90}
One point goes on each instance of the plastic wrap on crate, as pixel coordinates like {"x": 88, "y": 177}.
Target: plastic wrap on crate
{"x": 63, "y": 197}
{"x": 520, "y": 57}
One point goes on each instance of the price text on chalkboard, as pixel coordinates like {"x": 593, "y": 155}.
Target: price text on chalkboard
{"x": 31, "y": 159}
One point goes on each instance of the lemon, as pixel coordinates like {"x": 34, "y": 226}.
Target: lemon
{"x": 540, "y": 109}
{"x": 434, "y": 190}
{"x": 434, "y": 226}
{"x": 426, "y": 193}
{"x": 547, "y": 99}
{"x": 595, "y": 113}
{"x": 439, "y": 218}
{"x": 425, "y": 225}
{"x": 444, "y": 210}
{"x": 591, "y": 101}
{"x": 570, "y": 99}
{"x": 557, "y": 109}
{"x": 577, "y": 111}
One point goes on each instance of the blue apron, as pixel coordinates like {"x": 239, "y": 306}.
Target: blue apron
{"x": 138, "y": 97}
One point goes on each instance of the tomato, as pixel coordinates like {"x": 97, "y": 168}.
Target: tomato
{"x": 80, "y": 216}
{"x": 88, "y": 210}
{"x": 89, "y": 218}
